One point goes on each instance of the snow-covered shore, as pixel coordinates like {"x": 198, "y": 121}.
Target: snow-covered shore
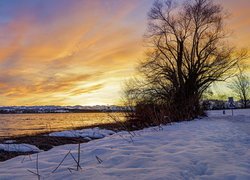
{"x": 216, "y": 147}
{"x": 92, "y": 133}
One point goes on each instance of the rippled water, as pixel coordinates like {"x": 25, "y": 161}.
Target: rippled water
{"x": 24, "y": 124}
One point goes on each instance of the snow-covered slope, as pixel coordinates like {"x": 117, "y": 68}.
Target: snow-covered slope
{"x": 217, "y": 147}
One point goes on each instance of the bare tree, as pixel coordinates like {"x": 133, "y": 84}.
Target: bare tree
{"x": 241, "y": 88}
{"x": 188, "y": 52}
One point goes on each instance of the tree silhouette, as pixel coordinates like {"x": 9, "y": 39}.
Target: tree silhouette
{"x": 241, "y": 88}
{"x": 188, "y": 51}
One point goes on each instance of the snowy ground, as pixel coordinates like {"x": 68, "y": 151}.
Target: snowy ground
{"x": 217, "y": 147}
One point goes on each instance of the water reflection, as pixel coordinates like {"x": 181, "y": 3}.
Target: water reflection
{"x": 23, "y": 124}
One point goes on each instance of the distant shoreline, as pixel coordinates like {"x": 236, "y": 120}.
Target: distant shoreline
{"x": 94, "y": 111}
{"x": 61, "y": 109}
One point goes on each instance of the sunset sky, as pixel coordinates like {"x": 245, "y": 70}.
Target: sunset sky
{"x": 70, "y": 52}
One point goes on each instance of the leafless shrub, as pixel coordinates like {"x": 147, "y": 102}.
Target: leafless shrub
{"x": 241, "y": 87}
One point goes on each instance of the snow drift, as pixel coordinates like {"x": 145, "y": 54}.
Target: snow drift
{"x": 93, "y": 133}
{"x": 19, "y": 148}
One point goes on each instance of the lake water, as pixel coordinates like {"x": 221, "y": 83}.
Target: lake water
{"x": 24, "y": 124}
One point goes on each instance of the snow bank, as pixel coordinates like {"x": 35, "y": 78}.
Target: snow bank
{"x": 95, "y": 133}
{"x": 19, "y": 148}
{"x": 216, "y": 147}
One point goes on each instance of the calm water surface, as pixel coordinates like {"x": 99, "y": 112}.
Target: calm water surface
{"x": 24, "y": 124}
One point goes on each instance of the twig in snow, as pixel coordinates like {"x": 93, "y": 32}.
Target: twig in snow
{"x": 37, "y": 169}
{"x": 78, "y": 159}
{"x": 61, "y": 162}
{"x": 79, "y": 156}
{"x": 25, "y": 157}
{"x": 99, "y": 160}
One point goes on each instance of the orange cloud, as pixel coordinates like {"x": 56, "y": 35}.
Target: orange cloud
{"x": 86, "y": 90}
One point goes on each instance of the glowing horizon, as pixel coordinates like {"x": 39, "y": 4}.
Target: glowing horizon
{"x": 64, "y": 52}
